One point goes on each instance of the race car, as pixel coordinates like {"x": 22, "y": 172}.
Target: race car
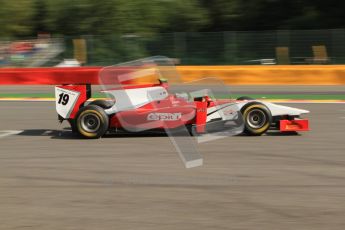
{"x": 141, "y": 107}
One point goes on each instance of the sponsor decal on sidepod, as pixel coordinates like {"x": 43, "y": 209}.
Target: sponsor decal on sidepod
{"x": 164, "y": 116}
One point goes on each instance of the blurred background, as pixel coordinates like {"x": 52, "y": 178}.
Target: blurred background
{"x": 51, "y": 179}
{"x": 194, "y": 32}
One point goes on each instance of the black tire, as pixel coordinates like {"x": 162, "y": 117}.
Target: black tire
{"x": 257, "y": 118}
{"x": 92, "y": 122}
{"x": 245, "y": 98}
{"x": 103, "y": 103}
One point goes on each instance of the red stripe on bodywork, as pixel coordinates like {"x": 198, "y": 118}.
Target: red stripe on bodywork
{"x": 201, "y": 116}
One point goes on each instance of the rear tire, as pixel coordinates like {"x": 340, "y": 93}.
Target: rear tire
{"x": 257, "y": 118}
{"x": 103, "y": 104}
{"x": 92, "y": 122}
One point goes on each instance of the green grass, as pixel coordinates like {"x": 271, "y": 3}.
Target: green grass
{"x": 256, "y": 96}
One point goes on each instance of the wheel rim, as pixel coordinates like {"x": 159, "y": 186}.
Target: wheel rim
{"x": 256, "y": 119}
{"x": 90, "y": 122}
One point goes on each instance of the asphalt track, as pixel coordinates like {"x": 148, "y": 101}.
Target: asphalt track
{"x": 51, "y": 179}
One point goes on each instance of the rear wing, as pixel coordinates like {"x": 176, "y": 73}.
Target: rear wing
{"x": 70, "y": 98}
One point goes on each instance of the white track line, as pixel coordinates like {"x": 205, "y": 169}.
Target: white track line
{"x": 6, "y": 133}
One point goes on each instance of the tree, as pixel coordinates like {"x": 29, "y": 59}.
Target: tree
{"x": 16, "y": 18}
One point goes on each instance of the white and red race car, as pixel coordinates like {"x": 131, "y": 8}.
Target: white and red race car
{"x": 141, "y": 107}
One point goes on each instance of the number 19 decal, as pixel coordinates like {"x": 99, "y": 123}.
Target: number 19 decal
{"x": 63, "y": 98}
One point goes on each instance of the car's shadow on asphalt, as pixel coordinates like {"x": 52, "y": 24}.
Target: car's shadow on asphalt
{"x": 54, "y": 134}
{"x": 277, "y": 133}
{"x": 66, "y": 133}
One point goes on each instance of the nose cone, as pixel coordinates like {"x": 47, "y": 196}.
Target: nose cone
{"x": 304, "y": 111}
{"x": 293, "y": 111}
{"x": 278, "y": 110}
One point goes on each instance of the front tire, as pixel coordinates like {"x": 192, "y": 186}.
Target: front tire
{"x": 92, "y": 122}
{"x": 257, "y": 118}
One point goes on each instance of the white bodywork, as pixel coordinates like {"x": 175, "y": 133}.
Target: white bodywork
{"x": 228, "y": 109}
{"x": 65, "y": 107}
{"x": 278, "y": 110}
{"x": 127, "y": 99}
